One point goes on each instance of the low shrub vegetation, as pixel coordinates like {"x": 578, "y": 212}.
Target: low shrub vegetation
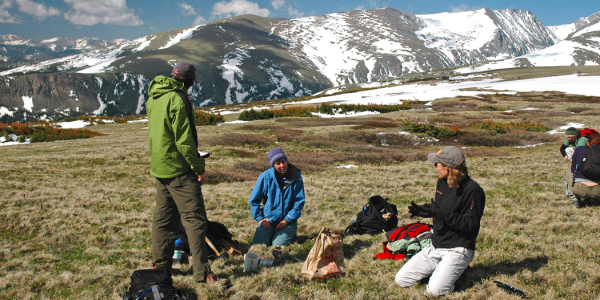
{"x": 43, "y": 132}
{"x": 98, "y": 119}
{"x": 332, "y": 109}
{"x": 506, "y": 127}
{"x": 203, "y": 118}
{"x": 437, "y": 132}
{"x": 324, "y": 108}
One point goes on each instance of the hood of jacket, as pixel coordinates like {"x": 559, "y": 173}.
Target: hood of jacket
{"x": 162, "y": 85}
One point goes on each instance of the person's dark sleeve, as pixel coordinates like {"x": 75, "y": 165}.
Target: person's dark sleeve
{"x": 562, "y": 150}
{"x": 468, "y": 219}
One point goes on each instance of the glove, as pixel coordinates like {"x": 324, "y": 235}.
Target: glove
{"x": 429, "y": 210}
{"x": 423, "y": 211}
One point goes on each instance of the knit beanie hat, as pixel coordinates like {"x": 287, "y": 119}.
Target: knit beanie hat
{"x": 275, "y": 155}
{"x": 571, "y": 132}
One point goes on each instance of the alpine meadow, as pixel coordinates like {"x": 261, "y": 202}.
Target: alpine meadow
{"x": 77, "y": 213}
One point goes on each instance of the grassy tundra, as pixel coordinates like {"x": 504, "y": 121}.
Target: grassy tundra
{"x": 76, "y": 214}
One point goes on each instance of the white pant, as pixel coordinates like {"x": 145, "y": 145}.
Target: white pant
{"x": 444, "y": 265}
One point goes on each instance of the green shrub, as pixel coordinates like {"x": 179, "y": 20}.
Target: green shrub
{"x": 44, "y": 132}
{"x": 506, "y": 127}
{"x": 202, "y": 118}
{"x": 329, "y": 109}
{"x": 251, "y": 115}
{"x": 437, "y": 132}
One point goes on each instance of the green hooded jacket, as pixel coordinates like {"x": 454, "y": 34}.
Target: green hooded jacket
{"x": 170, "y": 132}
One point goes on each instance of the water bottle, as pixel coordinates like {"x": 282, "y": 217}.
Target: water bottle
{"x": 178, "y": 251}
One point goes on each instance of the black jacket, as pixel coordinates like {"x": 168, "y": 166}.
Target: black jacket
{"x": 457, "y": 222}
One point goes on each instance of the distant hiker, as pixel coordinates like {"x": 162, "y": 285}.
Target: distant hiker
{"x": 280, "y": 190}
{"x": 456, "y": 212}
{"x": 574, "y": 140}
{"x": 585, "y": 189}
{"x": 179, "y": 171}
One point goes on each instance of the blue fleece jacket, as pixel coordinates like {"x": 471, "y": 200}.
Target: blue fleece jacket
{"x": 278, "y": 204}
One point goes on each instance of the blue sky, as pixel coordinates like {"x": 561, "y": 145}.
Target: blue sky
{"x": 111, "y": 19}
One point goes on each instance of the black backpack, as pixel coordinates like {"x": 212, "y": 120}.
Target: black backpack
{"x": 152, "y": 284}
{"x": 376, "y": 217}
{"x": 590, "y": 165}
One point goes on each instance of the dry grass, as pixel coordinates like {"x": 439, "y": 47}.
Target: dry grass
{"x": 76, "y": 215}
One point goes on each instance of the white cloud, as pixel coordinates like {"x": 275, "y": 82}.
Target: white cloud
{"x": 91, "y": 12}
{"x": 281, "y": 5}
{"x": 199, "y": 20}
{"x": 378, "y": 4}
{"x": 238, "y": 7}
{"x": 5, "y": 16}
{"x": 278, "y": 4}
{"x": 38, "y": 10}
{"x": 460, "y": 8}
{"x": 294, "y": 13}
{"x": 360, "y": 7}
{"x": 186, "y": 9}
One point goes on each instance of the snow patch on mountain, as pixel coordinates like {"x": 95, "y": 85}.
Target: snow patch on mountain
{"x": 571, "y": 84}
{"x": 469, "y": 30}
{"x": 5, "y": 111}
{"x": 27, "y": 103}
{"x": 230, "y": 68}
{"x": 102, "y": 107}
{"x": 592, "y": 28}
{"x": 184, "y": 34}
{"x": 562, "y": 31}
{"x": 142, "y": 99}
{"x": 144, "y": 42}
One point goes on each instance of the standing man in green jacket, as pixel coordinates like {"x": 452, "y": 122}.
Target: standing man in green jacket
{"x": 179, "y": 170}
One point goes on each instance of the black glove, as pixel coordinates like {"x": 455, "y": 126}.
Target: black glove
{"x": 423, "y": 211}
{"x": 429, "y": 210}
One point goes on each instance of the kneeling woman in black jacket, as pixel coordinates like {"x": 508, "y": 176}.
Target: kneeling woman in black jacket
{"x": 456, "y": 212}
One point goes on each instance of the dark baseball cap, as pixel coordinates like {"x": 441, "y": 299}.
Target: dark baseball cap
{"x": 450, "y": 156}
{"x": 185, "y": 70}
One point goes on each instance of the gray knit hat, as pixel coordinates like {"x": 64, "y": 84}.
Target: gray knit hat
{"x": 275, "y": 155}
{"x": 571, "y": 132}
{"x": 450, "y": 156}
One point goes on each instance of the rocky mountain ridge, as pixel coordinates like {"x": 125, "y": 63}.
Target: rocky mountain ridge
{"x": 250, "y": 58}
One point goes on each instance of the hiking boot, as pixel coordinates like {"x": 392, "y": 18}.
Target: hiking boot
{"x": 212, "y": 279}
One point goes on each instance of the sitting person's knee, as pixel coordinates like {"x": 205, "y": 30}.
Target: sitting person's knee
{"x": 402, "y": 280}
{"x": 438, "y": 290}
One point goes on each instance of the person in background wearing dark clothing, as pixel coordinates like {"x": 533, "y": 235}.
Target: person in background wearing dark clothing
{"x": 573, "y": 141}
{"x": 456, "y": 212}
{"x": 179, "y": 171}
{"x": 584, "y": 189}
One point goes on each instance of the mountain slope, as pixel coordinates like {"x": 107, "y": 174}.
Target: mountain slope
{"x": 580, "y": 47}
{"x": 16, "y": 51}
{"x": 250, "y": 58}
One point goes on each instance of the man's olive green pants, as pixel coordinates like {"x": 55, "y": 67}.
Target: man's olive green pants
{"x": 180, "y": 196}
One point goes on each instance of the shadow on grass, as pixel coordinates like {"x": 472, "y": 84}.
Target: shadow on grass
{"x": 190, "y": 293}
{"x": 350, "y": 250}
{"x": 482, "y": 272}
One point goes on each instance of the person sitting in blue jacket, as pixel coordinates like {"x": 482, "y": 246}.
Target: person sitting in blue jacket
{"x": 280, "y": 189}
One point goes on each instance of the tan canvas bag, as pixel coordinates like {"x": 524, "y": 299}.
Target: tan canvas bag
{"x": 326, "y": 258}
